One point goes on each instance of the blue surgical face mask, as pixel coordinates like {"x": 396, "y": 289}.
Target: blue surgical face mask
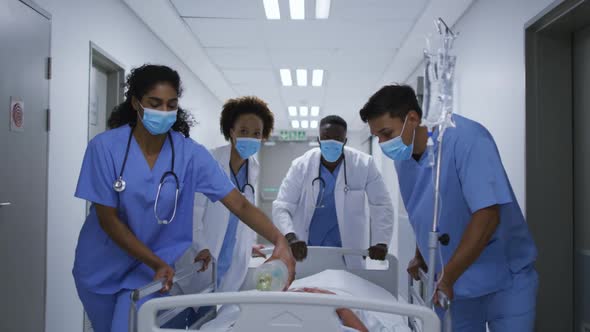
{"x": 331, "y": 149}
{"x": 158, "y": 122}
{"x": 247, "y": 147}
{"x": 395, "y": 148}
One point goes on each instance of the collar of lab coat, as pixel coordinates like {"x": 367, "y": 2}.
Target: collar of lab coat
{"x": 313, "y": 158}
{"x": 223, "y": 153}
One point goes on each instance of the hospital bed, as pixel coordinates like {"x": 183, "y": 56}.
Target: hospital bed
{"x": 286, "y": 311}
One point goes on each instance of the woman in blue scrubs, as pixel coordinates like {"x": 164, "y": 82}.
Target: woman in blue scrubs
{"x": 489, "y": 262}
{"x": 141, "y": 177}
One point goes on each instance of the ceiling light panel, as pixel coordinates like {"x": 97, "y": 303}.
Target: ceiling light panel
{"x": 272, "y": 10}
{"x": 286, "y": 78}
{"x": 322, "y": 9}
{"x": 317, "y": 77}
{"x": 297, "y": 8}
{"x": 301, "y": 77}
{"x": 292, "y": 111}
{"x": 303, "y": 111}
{"x": 295, "y": 124}
{"x": 315, "y": 111}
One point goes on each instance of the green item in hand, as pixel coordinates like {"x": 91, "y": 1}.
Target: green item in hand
{"x": 264, "y": 282}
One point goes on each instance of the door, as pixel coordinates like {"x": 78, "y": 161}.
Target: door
{"x": 97, "y": 116}
{"x": 581, "y": 75}
{"x": 25, "y": 37}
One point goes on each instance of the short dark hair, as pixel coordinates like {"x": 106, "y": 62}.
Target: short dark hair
{"x": 335, "y": 120}
{"x": 235, "y": 107}
{"x": 397, "y": 100}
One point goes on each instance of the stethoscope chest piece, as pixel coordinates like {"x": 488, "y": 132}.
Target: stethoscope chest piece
{"x": 119, "y": 185}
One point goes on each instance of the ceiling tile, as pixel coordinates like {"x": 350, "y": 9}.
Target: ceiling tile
{"x": 246, "y": 58}
{"x": 247, "y": 9}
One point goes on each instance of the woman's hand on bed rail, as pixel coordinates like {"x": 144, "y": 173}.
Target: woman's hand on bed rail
{"x": 205, "y": 257}
{"x": 164, "y": 271}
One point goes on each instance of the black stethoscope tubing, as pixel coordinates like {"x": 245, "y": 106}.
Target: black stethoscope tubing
{"x": 119, "y": 185}
{"x": 242, "y": 189}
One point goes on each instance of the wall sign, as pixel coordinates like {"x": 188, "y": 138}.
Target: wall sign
{"x": 93, "y": 116}
{"x": 17, "y": 114}
{"x": 292, "y": 135}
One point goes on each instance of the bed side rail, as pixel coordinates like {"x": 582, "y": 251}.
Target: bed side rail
{"x": 418, "y": 296}
{"x": 265, "y": 311}
{"x": 156, "y": 286}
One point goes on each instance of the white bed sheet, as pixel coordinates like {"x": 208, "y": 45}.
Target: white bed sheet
{"x": 342, "y": 283}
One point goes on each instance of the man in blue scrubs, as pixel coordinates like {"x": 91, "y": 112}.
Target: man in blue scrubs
{"x": 489, "y": 263}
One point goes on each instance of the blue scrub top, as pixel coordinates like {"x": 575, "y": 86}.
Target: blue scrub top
{"x": 472, "y": 178}
{"x": 323, "y": 229}
{"x": 100, "y": 265}
{"x": 229, "y": 241}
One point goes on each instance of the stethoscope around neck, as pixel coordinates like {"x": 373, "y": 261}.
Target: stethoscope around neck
{"x": 322, "y": 182}
{"x": 242, "y": 188}
{"x": 120, "y": 184}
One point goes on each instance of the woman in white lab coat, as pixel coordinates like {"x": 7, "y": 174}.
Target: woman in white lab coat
{"x": 334, "y": 187}
{"x": 218, "y": 234}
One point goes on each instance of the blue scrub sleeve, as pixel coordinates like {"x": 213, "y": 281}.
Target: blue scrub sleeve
{"x": 483, "y": 180}
{"x": 95, "y": 183}
{"x": 210, "y": 179}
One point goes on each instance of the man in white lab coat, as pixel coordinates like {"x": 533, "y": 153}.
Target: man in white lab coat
{"x": 334, "y": 196}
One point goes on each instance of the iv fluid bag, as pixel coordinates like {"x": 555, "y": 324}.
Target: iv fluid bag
{"x": 439, "y": 73}
{"x": 437, "y": 105}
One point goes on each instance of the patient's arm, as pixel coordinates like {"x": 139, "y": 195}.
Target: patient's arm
{"x": 348, "y": 318}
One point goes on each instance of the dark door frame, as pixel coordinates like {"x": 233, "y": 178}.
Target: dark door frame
{"x": 549, "y": 156}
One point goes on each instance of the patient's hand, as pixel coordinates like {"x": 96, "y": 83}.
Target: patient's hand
{"x": 348, "y": 318}
{"x": 205, "y": 257}
{"x": 317, "y": 291}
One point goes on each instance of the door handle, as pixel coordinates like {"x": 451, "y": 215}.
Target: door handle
{"x": 5, "y": 204}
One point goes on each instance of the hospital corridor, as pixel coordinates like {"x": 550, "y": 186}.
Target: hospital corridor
{"x": 295, "y": 165}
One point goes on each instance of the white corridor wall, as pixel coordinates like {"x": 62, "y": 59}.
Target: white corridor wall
{"x": 112, "y": 26}
{"x": 490, "y": 76}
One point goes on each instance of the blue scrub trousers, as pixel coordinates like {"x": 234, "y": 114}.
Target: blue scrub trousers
{"x": 509, "y": 310}
{"x": 109, "y": 312}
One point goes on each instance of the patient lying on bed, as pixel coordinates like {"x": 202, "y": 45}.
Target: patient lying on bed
{"x": 347, "y": 316}
{"x": 339, "y": 283}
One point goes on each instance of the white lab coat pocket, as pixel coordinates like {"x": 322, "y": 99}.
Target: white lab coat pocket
{"x": 355, "y": 212}
{"x": 354, "y": 228}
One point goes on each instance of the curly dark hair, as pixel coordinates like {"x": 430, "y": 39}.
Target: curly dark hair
{"x": 139, "y": 82}
{"x": 234, "y": 108}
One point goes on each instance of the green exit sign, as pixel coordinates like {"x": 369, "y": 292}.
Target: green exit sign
{"x": 293, "y": 135}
